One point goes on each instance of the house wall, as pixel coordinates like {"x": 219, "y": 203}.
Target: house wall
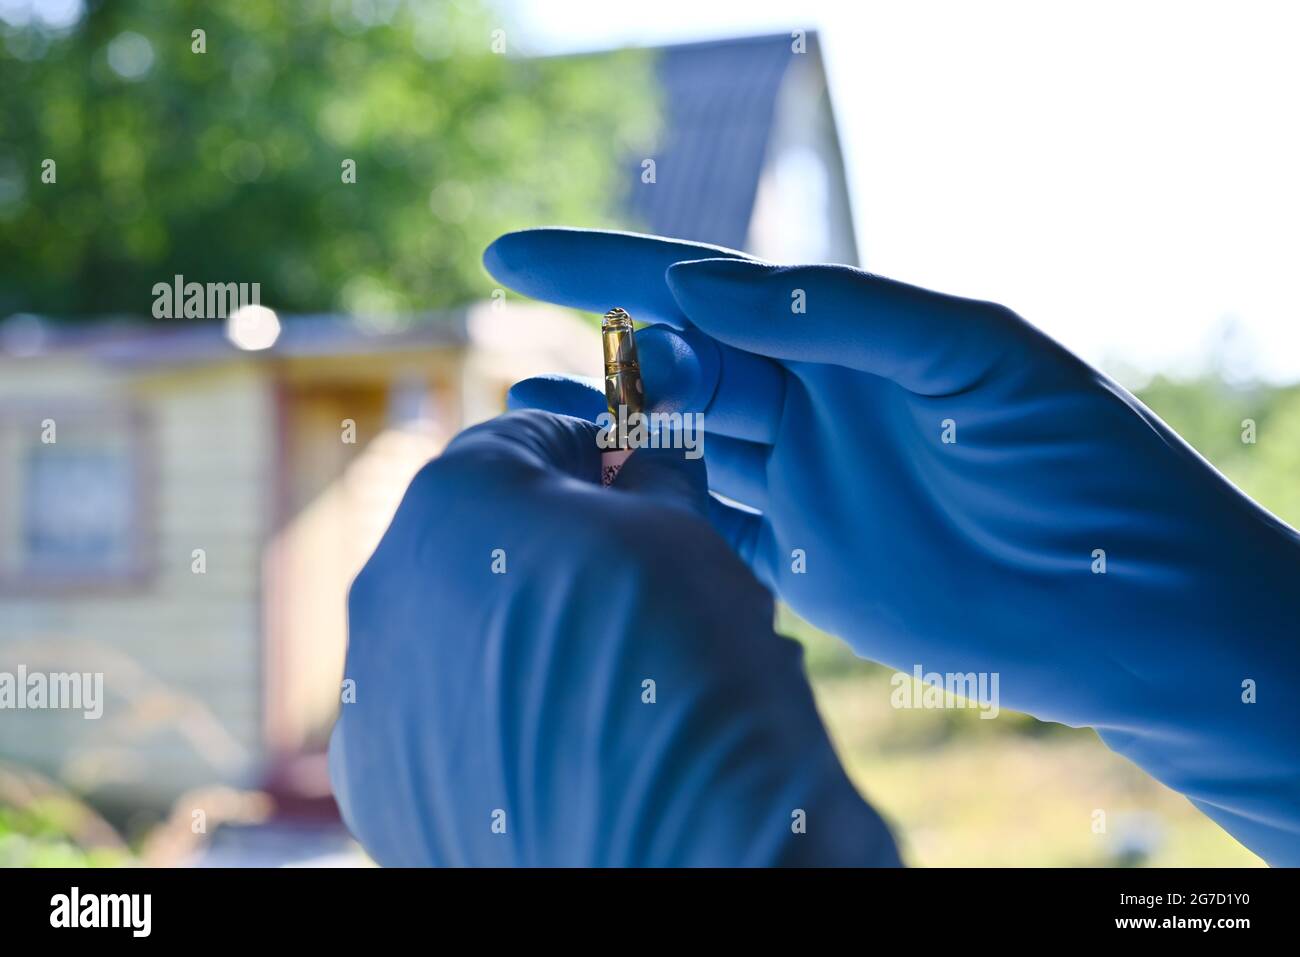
{"x": 224, "y": 676}
{"x": 338, "y": 496}
{"x": 179, "y": 650}
{"x": 338, "y": 492}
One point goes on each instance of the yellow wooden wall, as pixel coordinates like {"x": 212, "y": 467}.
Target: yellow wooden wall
{"x": 209, "y": 678}
{"x": 180, "y": 651}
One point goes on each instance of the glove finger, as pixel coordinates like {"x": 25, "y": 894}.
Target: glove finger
{"x": 739, "y": 393}
{"x": 595, "y": 270}
{"x": 527, "y": 444}
{"x": 579, "y": 396}
{"x": 668, "y": 475}
{"x": 738, "y": 526}
{"x": 738, "y": 470}
{"x": 924, "y": 341}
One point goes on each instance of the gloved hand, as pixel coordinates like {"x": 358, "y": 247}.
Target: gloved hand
{"x": 941, "y": 484}
{"x": 547, "y": 672}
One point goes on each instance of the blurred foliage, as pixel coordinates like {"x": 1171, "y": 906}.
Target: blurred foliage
{"x": 1209, "y": 413}
{"x": 42, "y": 835}
{"x": 225, "y": 166}
{"x": 988, "y": 794}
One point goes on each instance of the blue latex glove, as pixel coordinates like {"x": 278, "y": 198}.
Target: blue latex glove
{"x": 979, "y": 554}
{"x": 517, "y": 697}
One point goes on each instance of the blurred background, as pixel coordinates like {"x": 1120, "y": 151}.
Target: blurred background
{"x": 1123, "y": 177}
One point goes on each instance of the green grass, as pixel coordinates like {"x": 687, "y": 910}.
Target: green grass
{"x": 41, "y": 834}
{"x": 960, "y": 791}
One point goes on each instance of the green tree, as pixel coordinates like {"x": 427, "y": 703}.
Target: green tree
{"x": 1211, "y": 415}
{"x": 228, "y": 165}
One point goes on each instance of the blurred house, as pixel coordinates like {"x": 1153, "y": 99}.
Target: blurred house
{"x": 192, "y": 531}
{"x": 185, "y": 517}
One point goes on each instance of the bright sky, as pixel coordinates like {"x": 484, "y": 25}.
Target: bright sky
{"x": 1125, "y": 175}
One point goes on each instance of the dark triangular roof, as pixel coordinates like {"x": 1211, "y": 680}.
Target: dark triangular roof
{"x": 719, "y": 100}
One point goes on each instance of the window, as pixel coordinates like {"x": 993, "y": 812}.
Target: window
{"x": 78, "y": 515}
{"x": 77, "y": 507}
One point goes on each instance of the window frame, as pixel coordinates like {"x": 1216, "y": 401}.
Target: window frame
{"x": 20, "y": 422}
